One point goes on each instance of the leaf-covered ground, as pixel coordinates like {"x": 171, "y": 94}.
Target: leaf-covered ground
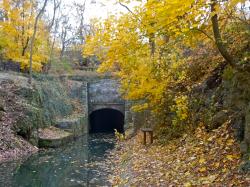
{"x": 12, "y": 146}
{"x": 204, "y": 159}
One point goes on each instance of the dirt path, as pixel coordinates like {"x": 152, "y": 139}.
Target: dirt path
{"x": 210, "y": 159}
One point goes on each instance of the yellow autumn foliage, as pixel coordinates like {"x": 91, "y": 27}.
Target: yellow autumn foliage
{"x": 146, "y": 49}
{"x": 16, "y": 30}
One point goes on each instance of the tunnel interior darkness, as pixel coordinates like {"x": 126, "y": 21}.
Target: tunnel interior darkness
{"x": 106, "y": 120}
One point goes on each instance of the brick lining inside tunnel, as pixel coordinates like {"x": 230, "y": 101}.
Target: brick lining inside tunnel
{"x": 106, "y": 120}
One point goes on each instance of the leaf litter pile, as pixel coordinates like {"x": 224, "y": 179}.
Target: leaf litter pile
{"x": 204, "y": 159}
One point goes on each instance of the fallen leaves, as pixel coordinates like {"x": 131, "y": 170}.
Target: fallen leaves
{"x": 210, "y": 159}
{"x": 231, "y": 157}
{"x": 203, "y": 169}
{"x": 202, "y": 160}
{"x": 12, "y": 146}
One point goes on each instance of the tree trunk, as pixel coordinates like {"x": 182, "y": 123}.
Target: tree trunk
{"x": 152, "y": 44}
{"x": 217, "y": 36}
{"x": 33, "y": 39}
{"x": 221, "y": 46}
{"x": 51, "y": 55}
{"x": 25, "y": 46}
{"x": 62, "y": 52}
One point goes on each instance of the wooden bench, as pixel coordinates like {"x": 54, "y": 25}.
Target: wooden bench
{"x": 150, "y": 132}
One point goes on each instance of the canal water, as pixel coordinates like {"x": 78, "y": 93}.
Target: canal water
{"x": 83, "y": 162}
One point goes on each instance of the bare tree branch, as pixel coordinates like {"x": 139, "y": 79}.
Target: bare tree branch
{"x": 56, "y": 5}
{"x": 125, "y": 6}
{"x": 203, "y": 32}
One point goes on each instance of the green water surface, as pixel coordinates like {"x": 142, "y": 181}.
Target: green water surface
{"x": 80, "y": 163}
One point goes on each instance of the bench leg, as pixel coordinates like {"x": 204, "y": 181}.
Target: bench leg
{"x": 151, "y": 137}
{"x": 144, "y": 138}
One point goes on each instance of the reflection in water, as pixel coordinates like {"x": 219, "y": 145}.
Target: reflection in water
{"x": 81, "y": 163}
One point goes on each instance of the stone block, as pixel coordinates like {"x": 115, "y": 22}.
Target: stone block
{"x": 218, "y": 119}
{"x": 75, "y": 125}
{"x": 53, "y": 137}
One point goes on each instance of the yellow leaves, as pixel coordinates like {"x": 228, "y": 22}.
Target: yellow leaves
{"x": 124, "y": 44}
{"x": 188, "y": 184}
{"x": 24, "y": 62}
{"x": 125, "y": 54}
{"x": 217, "y": 165}
{"x": 16, "y": 31}
{"x": 180, "y": 108}
{"x": 225, "y": 170}
{"x": 202, "y": 160}
{"x": 119, "y": 136}
{"x": 229, "y": 157}
{"x": 230, "y": 142}
{"x": 232, "y": 157}
{"x": 187, "y": 161}
{"x": 207, "y": 180}
{"x": 203, "y": 169}
{"x": 5, "y": 5}
{"x": 138, "y": 108}
{"x": 211, "y": 138}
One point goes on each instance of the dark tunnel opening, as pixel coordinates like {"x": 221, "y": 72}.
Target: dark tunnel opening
{"x": 106, "y": 120}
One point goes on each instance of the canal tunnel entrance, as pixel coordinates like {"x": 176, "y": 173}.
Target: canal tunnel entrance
{"x": 106, "y": 120}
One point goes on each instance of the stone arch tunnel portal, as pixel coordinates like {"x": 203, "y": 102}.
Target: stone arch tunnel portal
{"x": 106, "y": 120}
{"x": 106, "y": 108}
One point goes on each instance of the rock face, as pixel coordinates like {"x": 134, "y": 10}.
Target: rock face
{"x": 238, "y": 100}
{"x": 218, "y": 119}
{"x": 229, "y": 102}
